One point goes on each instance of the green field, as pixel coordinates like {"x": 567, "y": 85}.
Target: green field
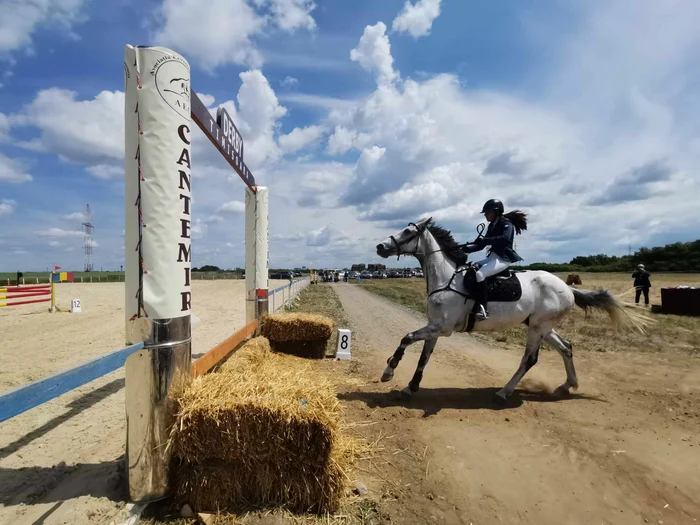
{"x": 589, "y": 332}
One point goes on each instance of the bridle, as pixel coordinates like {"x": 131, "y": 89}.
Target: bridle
{"x": 420, "y": 230}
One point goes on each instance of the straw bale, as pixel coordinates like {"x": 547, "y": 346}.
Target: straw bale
{"x": 218, "y": 485}
{"x": 307, "y": 349}
{"x": 263, "y": 430}
{"x": 573, "y": 278}
{"x": 297, "y": 327}
{"x": 251, "y": 355}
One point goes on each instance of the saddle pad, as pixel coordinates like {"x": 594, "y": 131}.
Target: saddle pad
{"x": 504, "y": 290}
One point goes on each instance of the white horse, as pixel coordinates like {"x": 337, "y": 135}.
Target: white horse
{"x": 545, "y": 300}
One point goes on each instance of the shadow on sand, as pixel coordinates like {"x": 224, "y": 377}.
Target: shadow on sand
{"x": 432, "y": 400}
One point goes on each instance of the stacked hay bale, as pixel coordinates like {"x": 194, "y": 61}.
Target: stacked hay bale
{"x": 303, "y": 335}
{"x": 263, "y": 431}
{"x": 573, "y": 278}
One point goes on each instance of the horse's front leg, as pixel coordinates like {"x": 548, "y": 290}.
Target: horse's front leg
{"x": 414, "y": 385}
{"x": 431, "y": 331}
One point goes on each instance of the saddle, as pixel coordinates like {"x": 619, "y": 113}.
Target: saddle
{"x": 502, "y": 287}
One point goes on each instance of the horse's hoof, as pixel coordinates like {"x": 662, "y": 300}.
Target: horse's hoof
{"x": 406, "y": 394}
{"x": 386, "y": 377}
{"x": 561, "y": 393}
{"x": 500, "y": 399}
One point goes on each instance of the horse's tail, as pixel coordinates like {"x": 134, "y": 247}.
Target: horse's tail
{"x": 603, "y": 300}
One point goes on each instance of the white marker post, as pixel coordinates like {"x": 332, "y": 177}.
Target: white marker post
{"x": 342, "y": 351}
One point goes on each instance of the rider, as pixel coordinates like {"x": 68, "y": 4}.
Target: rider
{"x": 499, "y": 236}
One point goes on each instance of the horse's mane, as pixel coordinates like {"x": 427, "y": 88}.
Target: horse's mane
{"x": 518, "y": 219}
{"x": 447, "y": 243}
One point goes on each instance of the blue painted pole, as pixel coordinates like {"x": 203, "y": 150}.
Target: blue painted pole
{"x": 36, "y": 393}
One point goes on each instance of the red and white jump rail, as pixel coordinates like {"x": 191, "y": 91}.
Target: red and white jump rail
{"x": 16, "y": 295}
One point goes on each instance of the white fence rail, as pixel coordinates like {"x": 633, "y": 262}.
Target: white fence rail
{"x": 282, "y": 296}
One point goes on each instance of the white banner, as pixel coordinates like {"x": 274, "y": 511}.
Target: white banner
{"x": 157, "y": 189}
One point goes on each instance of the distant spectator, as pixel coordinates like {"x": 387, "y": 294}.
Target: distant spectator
{"x": 642, "y": 284}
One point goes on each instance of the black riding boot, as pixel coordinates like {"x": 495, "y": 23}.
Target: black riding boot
{"x": 481, "y": 300}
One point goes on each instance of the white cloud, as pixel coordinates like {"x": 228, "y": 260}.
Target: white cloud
{"x": 553, "y": 155}
{"x": 289, "y": 82}
{"x": 232, "y": 207}
{"x": 21, "y": 19}
{"x": 221, "y": 32}
{"x": 317, "y": 101}
{"x": 290, "y": 15}
{"x": 60, "y": 233}
{"x": 76, "y": 130}
{"x": 373, "y": 53}
{"x": 77, "y": 216}
{"x": 207, "y": 100}
{"x": 259, "y": 111}
{"x": 417, "y": 19}
{"x": 106, "y": 171}
{"x": 214, "y": 33}
{"x": 12, "y": 171}
{"x": 343, "y": 140}
{"x": 320, "y": 237}
{"x": 7, "y": 206}
{"x": 300, "y": 138}
{"x": 198, "y": 229}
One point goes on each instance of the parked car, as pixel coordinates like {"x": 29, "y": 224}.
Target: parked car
{"x": 365, "y": 274}
{"x": 419, "y": 273}
{"x": 281, "y": 275}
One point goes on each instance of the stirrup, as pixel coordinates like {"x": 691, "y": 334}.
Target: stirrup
{"x": 481, "y": 314}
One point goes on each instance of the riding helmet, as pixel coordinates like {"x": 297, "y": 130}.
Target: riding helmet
{"x": 493, "y": 204}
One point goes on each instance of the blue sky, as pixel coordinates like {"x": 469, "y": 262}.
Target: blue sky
{"x": 360, "y": 117}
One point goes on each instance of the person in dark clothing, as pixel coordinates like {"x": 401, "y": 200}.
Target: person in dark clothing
{"x": 642, "y": 284}
{"x": 499, "y": 236}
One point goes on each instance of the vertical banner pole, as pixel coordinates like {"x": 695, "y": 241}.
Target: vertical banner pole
{"x": 157, "y": 239}
{"x": 256, "y": 253}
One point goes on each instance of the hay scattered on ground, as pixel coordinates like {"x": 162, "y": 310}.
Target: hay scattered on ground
{"x": 297, "y": 327}
{"x": 262, "y": 431}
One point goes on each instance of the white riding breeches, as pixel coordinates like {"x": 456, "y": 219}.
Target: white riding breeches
{"x": 492, "y": 265}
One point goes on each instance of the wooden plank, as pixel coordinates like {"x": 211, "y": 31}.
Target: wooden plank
{"x": 209, "y": 360}
{"x": 38, "y": 392}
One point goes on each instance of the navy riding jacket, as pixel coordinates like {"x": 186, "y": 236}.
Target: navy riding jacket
{"x": 499, "y": 236}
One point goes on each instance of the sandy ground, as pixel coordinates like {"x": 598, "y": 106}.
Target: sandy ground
{"x": 59, "y": 461}
{"x": 624, "y": 449}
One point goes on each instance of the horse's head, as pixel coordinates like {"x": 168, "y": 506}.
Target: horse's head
{"x": 404, "y": 242}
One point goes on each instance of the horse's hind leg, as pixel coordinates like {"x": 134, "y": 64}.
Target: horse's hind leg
{"x": 535, "y": 334}
{"x": 564, "y": 348}
{"x": 431, "y": 331}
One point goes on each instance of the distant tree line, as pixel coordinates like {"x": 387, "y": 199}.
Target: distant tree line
{"x": 676, "y": 257}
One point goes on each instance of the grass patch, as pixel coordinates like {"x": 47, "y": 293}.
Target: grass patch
{"x": 406, "y": 292}
{"x": 591, "y": 332}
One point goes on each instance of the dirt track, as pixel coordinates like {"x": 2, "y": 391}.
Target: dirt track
{"x": 624, "y": 449}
